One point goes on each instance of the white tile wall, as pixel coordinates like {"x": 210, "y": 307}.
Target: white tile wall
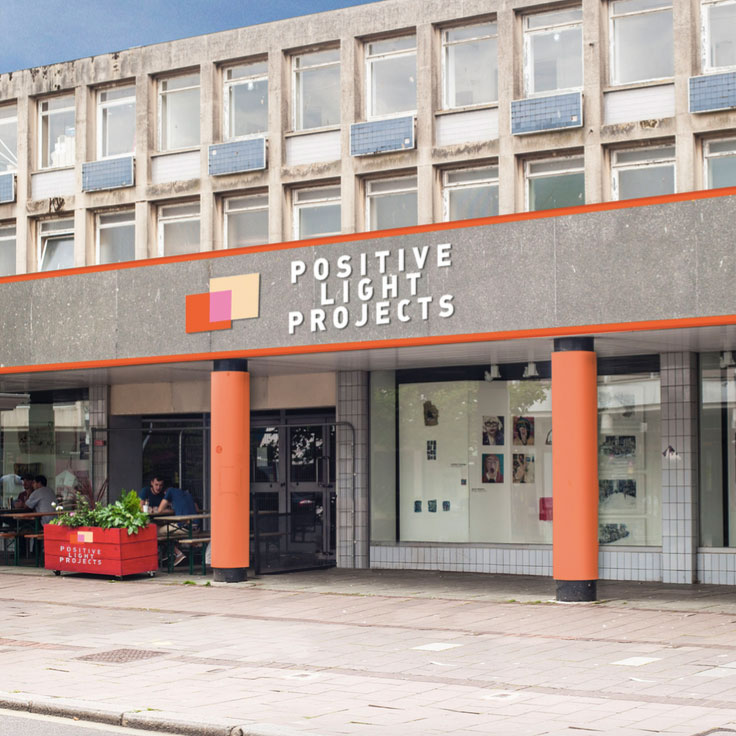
{"x": 717, "y": 567}
{"x": 175, "y": 167}
{"x": 644, "y": 103}
{"x": 313, "y": 148}
{"x": 98, "y": 418}
{"x": 466, "y": 127}
{"x": 53, "y": 183}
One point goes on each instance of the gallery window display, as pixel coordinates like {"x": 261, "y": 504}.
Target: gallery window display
{"x": 470, "y": 460}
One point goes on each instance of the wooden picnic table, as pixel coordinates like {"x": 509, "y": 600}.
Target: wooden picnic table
{"x": 182, "y": 520}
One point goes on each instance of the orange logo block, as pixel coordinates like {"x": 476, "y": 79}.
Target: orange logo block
{"x": 229, "y": 298}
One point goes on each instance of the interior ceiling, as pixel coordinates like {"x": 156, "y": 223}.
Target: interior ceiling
{"x": 701, "y": 339}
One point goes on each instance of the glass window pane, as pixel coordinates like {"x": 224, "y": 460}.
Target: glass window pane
{"x": 249, "y": 108}
{"x": 393, "y": 85}
{"x": 649, "y": 181}
{"x": 472, "y": 73}
{"x": 264, "y": 452}
{"x": 643, "y": 47}
{"x": 469, "y": 202}
{"x": 58, "y": 133}
{"x": 392, "y": 44}
{"x": 318, "y": 98}
{"x": 57, "y": 253}
{"x": 644, "y": 154}
{"x": 181, "y": 237}
{"x": 117, "y": 244}
{"x": 310, "y": 195}
{"x": 471, "y": 175}
{"x": 727, "y": 146}
{"x": 240, "y": 71}
{"x": 556, "y": 59}
{"x": 560, "y": 164}
{"x": 117, "y": 93}
{"x": 468, "y": 32}
{"x": 722, "y": 26}
{"x": 247, "y": 228}
{"x": 318, "y": 57}
{"x": 180, "y": 210}
{"x": 118, "y": 130}
{"x": 722, "y": 172}
{"x": 186, "y": 80}
{"x": 555, "y": 17}
{"x": 55, "y": 226}
{"x": 8, "y": 141}
{"x": 180, "y": 120}
{"x": 550, "y": 192}
{"x": 247, "y": 202}
{"x": 392, "y": 185}
{"x": 7, "y": 251}
{"x": 396, "y": 210}
{"x": 58, "y": 103}
{"x": 314, "y": 221}
{"x": 632, "y": 6}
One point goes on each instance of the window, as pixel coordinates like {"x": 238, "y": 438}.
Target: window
{"x": 246, "y": 100}
{"x": 316, "y": 89}
{"x": 391, "y": 71}
{"x": 553, "y": 183}
{"x": 115, "y": 121}
{"x": 56, "y": 244}
{"x": 7, "y": 250}
{"x": 316, "y": 212}
{"x": 643, "y": 172}
{"x": 56, "y": 132}
{"x": 178, "y": 108}
{"x": 8, "y": 138}
{"x": 468, "y": 193}
{"x": 720, "y": 163}
{"x": 719, "y": 35}
{"x": 391, "y": 202}
{"x": 246, "y": 220}
{"x": 553, "y": 50}
{"x": 470, "y": 58}
{"x": 641, "y": 40}
{"x": 116, "y": 237}
{"x": 178, "y": 229}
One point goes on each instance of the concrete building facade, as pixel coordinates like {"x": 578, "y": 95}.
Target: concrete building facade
{"x": 402, "y": 216}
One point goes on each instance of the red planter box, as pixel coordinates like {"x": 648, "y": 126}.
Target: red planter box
{"x": 100, "y": 551}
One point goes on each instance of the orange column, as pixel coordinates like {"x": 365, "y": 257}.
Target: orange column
{"x": 230, "y": 476}
{"x": 575, "y": 469}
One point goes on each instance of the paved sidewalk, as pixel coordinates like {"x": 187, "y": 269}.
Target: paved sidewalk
{"x": 398, "y": 653}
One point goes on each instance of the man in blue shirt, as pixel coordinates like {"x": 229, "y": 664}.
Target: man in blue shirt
{"x": 182, "y": 503}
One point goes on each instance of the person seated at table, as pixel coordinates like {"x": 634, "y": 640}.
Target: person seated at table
{"x": 27, "y": 481}
{"x": 181, "y": 502}
{"x": 152, "y": 494}
{"x": 42, "y": 498}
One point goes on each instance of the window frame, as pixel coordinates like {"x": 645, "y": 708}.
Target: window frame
{"x": 617, "y": 168}
{"x": 104, "y": 105}
{"x": 447, "y": 188}
{"x": 372, "y": 58}
{"x": 527, "y": 163}
{"x": 227, "y": 86}
{"x": 666, "y": 4}
{"x": 447, "y": 45}
{"x": 370, "y": 197}
{"x": 44, "y": 238}
{"x": 163, "y": 220}
{"x": 9, "y": 120}
{"x": 295, "y": 85}
{"x": 160, "y": 93}
{"x": 705, "y": 37}
{"x": 99, "y": 226}
{"x": 707, "y": 156}
{"x": 6, "y": 238}
{"x": 527, "y": 56}
{"x": 327, "y": 201}
{"x": 226, "y": 212}
{"x": 40, "y": 119}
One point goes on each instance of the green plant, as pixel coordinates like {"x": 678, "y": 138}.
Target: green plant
{"x": 123, "y": 514}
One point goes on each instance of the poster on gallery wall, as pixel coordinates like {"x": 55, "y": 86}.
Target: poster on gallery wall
{"x": 523, "y": 431}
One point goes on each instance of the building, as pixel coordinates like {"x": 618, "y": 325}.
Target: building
{"x": 415, "y": 226}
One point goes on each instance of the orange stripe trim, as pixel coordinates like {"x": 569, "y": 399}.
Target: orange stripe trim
{"x": 546, "y": 332}
{"x": 374, "y": 234}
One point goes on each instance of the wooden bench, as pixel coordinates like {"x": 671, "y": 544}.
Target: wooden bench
{"x": 10, "y": 535}
{"x": 189, "y": 545}
{"x": 38, "y": 537}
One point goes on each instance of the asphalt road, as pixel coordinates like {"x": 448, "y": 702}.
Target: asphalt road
{"x": 13, "y": 723}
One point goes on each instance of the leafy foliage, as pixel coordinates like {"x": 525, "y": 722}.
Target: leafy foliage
{"x": 123, "y": 514}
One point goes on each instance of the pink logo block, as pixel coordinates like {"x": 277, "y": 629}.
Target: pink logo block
{"x": 220, "y": 305}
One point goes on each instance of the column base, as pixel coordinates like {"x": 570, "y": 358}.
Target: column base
{"x": 229, "y": 574}
{"x": 575, "y": 591}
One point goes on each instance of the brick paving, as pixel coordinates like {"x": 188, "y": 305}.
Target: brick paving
{"x": 399, "y": 653}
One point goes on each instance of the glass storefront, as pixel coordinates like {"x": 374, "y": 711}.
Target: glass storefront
{"x": 470, "y": 460}
{"x": 51, "y": 437}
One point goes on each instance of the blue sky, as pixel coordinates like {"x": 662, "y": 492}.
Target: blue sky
{"x": 38, "y": 32}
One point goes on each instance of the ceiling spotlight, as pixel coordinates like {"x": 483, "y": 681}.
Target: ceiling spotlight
{"x": 727, "y": 360}
{"x": 530, "y": 371}
{"x": 489, "y": 375}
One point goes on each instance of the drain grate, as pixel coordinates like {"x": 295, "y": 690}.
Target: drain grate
{"x": 121, "y": 656}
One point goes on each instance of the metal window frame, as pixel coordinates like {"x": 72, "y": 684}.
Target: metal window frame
{"x": 528, "y": 59}
{"x": 162, "y": 220}
{"x": 617, "y": 168}
{"x": 667, "y": 5}
{"x": 707, "y": 66}
{"x": 227, "y": 86}
{"x": 48, "y": 113}
{"x": 296, "y": 81}
{"x": 369, "y": 198}
{"x": 99, "y": 226}
{"x": 227, "y": 212}
{"x": 447, "y": 188}
{"x": 160, "y": 94}
{"x": 101, "y": 107}
{"x": 43, "y": 239}
{"x": 369, "y": 61}
{"x": 528, "y": 177}
{"x": 708, "y": 157}
{"x": 296, "y": 206}
{"x": 10, "y": 120}
{"x": 447, "y": 45}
